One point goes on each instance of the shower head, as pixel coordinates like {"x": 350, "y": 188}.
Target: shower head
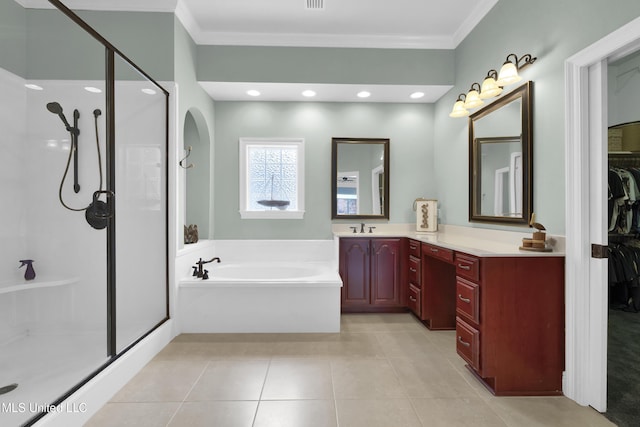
{"x": 55, "y": 108}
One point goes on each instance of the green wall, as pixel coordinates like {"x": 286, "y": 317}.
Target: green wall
{"x": 192, "y": 98}
{"x": 13, "y": 34}
{"x": 408, "y": 126}
{"x": 325, "y": 65}
{"x": 553, "y": 31}
{"x": 58, "y": 49}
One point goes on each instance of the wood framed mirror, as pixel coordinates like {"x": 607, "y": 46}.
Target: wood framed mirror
{"x": 501, "y": 159}
{"x": 359, "y": 178}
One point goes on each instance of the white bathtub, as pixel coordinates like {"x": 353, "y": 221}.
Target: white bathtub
{"x": 259, "y": 297}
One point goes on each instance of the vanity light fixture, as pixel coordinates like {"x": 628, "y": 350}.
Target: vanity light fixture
{"x": 416, "y": 95}
{"x": 364, "y": 94}
{"x": 308, "y": 93}
{"x": 509, "y": 72}
{"x": 473, "y": 97}
{"x": 458, "y": 107}
{"x": 492, "y": 85}
{"x": 489, "y": 87}
{"x": 253, "y": 92}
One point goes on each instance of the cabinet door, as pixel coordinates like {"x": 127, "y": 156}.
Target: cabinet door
{"x": 354, "y": 268}
{"x": 385, "y": 272}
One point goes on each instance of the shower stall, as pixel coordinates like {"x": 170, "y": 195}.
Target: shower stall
{"x": 83, "y": 196}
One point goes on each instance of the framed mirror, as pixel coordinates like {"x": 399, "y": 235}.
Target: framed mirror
{"x": 359, "y": 178}
{"x": 501, "y": 159}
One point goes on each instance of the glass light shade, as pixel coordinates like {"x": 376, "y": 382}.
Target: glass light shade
{"x": 473, "y": 99}
{"x": 490, "y": 88}
{"x": 508, "y": 74}
{"x": 458, "y": 110}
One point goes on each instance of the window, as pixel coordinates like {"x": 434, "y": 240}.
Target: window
{"x": 271, "y": 178}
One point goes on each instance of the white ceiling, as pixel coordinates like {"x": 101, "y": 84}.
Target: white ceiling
{"x": 411, "y": 24}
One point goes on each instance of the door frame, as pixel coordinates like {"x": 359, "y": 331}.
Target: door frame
{"x": 585, "y": 377}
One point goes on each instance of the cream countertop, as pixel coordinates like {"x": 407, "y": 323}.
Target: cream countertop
{"x": 481, "y": 242}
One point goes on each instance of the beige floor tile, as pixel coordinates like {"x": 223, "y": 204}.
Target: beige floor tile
{"x": 296, "y": 413}
{"x": 431, "y": 376}
{"x": 376, "y": 413}
{"x": 546, "y": 412}
{"x": 298, "y": 379}
{"x": 387, "y": 322}
{"x": 162, "y": 381}
{"x": 406, "y": 344}
{"x": 215, "y": 414}
{"x": 365, "y": 379}
{"x": 151, "y": 414}
{"x": 230, "y": 380}
{"x": 447, "y": 412}
{"x": 346, "y": 344}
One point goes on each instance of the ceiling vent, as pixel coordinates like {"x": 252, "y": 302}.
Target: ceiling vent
{"x": 315, "y": 4}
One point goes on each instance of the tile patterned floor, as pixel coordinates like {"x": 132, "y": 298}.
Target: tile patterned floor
{"x": 383, "y": 370}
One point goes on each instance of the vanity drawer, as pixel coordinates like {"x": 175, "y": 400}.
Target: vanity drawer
{"x": 414, "y": 300}
{"x": 468, "y": 266}
{"x": 414, "y": 270}
{"x": 414, "y": 248}
{"x": 468, "y": 300}
{"x": 437, "y": 252}
{"x": 468, "y": 343}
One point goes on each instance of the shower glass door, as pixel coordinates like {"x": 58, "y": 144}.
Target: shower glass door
{"x": 53, "y": 319}
{"x": 140, "y": 188}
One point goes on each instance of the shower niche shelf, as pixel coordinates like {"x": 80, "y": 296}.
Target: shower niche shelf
{"x": 36, "y": 284}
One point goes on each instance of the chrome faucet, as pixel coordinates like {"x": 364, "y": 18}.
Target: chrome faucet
{"x": 199, "y": 272}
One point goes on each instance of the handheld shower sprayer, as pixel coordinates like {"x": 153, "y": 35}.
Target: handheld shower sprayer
{"x": 56, "y": 108}
{"x": 97, "y": 212}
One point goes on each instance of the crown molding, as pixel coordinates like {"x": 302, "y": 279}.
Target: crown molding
{"x": 319, "y": 40}
{"x": 480, "y": 11}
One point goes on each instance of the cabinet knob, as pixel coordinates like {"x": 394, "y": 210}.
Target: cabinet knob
{"x": 463, "y": 342}
{"x": 464, "y": 267}
{"x": 413, "y": 270}
{"x": 413, "y": 299}
{"x": 463, "y": 299}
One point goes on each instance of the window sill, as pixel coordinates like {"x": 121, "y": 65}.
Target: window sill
{"x": 272, "y": 214}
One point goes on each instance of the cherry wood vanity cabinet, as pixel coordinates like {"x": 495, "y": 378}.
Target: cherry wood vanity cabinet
{"x": 438, "y": 287}
{"x": 413, "y": 277}
{"x": 371, "y": 274}
{"x": 510, "y": 322}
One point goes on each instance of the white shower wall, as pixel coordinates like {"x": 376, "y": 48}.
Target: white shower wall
{"x": 35, "y": 225}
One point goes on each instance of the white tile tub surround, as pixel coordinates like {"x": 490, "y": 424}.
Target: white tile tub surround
{"x": 309, "y": 303}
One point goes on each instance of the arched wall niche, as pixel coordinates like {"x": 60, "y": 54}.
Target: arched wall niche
{"x": 197, "y": 177}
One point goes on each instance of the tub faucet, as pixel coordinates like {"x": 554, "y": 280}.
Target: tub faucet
{"x": 199, "y": 272}
{"x": 362, "y": 227}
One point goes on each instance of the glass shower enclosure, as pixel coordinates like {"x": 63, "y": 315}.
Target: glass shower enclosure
{"x": 83, "y": 196}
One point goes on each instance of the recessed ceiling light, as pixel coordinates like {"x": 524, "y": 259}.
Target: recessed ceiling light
{"x": 417, "y": 95}
{"x": 253, "y": 92}
{"x": 92, "y": 89}
{"x": 148, "y": 91}
{"x": 364, "y": 94}
{"x": 308, "y": 93}
{"x": 33, "y": 86}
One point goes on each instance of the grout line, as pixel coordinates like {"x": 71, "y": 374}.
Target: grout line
{"x": 188, "y": 392}
{"x": 333, "y": 392}
{"x": 264, "y": 383}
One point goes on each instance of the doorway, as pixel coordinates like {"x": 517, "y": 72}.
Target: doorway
{"x": 586, "y": 180}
